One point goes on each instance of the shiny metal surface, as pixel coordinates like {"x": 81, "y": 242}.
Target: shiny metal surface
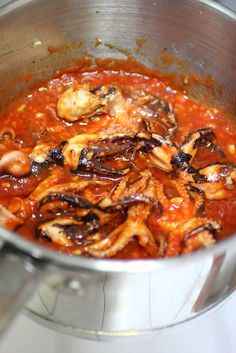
{"x": 107, "y": 299}
{"x": 17, "y": 278}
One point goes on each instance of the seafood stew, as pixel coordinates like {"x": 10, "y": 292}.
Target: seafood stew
{"x": 116, "y": 164}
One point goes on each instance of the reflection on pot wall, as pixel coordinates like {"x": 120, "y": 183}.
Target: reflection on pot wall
{"x": 115, "y": 304}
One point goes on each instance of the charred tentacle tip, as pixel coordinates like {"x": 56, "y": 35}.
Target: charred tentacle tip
{"x": 181, "y": 161}
{"x": 107, "y": 205}
{"x": 78, "y": 232}
{"x": 162, "y": 113}
{"x": 200, "y": 138}
{"x": 88, "y": 164}
{"x": 212, "y": 227}
{"x": 72, "y": 200}
{"x": 66, "y": 231}
{"x": 214, "y": 172}
{"x": 56, "y": 155}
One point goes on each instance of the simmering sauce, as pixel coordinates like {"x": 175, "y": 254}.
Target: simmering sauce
{"x": 116, "y": 164}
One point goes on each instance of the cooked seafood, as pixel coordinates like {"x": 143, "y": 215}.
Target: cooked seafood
{"x": 7, "y": 219}
{"x": 83, "y": 153}
{"x": 15, "y": 163}
{"x": 216, "y": 180}
{"x": 156, "y": 113}
{"x": 178, "y": 229}
{"x": 79, "y": 102}
{"x": 117, "y": 165}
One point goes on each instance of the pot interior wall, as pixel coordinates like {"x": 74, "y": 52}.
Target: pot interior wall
{"x": 200, "y": 36}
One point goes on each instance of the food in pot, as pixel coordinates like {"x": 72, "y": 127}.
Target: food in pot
{"x": 116, "y": 164}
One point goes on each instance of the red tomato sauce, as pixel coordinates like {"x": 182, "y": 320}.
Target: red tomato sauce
{"x": 34, "y": 120}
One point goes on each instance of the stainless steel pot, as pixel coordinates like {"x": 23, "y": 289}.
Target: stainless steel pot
{"x": 107, "y": 299}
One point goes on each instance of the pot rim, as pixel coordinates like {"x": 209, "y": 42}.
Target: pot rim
{"x": 52, "y": 257}
{"x": 220, "y": 8}
{"x": 12, "y": 4}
